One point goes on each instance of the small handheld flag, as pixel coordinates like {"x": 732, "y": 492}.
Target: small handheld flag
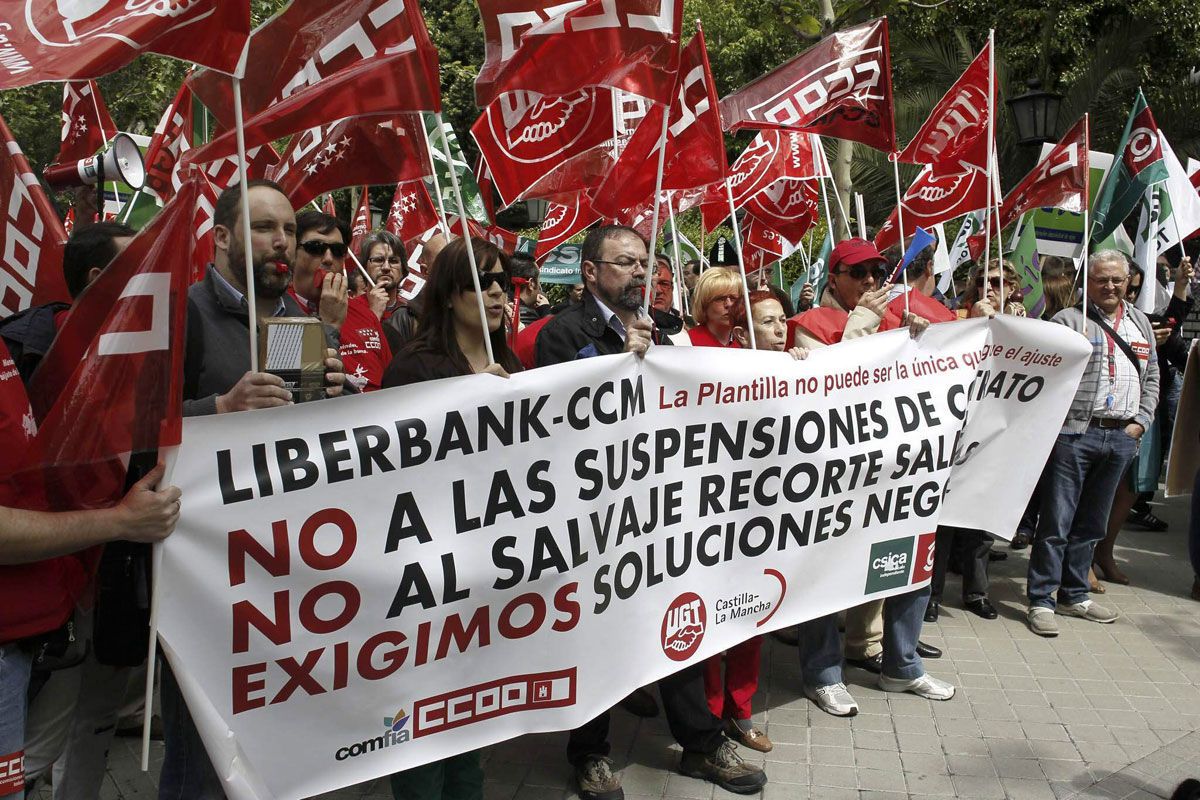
{"x": 921, "y": 239}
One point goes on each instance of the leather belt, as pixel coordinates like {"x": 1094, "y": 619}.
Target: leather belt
{"x": 1110, "y": 424}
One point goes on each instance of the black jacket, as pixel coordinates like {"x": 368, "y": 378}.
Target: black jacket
{"x": 580, "y": 332}
{"x": 29, "y": 334}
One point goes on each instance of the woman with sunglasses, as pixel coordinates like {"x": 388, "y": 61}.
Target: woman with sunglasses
{"x": 981, "y": 302}
{"x": 712, "y": 303}
{"x": 449, "y": 343}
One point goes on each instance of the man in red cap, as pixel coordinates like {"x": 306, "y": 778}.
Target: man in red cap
{"x": 854, "y": 304}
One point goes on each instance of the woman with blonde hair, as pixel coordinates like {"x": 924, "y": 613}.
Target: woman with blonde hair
{"x": 988, "y": 298}
{"x": 717, "y": 292}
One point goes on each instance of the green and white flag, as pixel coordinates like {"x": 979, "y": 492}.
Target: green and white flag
{"x": 472, "y": 197}
{"x": 816, "y": 275}
{"x": 687, "y": 250}
{"x": 1137, "y": 165}
{"x": 1146, "y": 243}
{"x": 960, "y": 253}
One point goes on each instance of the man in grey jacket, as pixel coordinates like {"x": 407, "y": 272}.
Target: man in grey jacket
{"x": 1113, "y": 406}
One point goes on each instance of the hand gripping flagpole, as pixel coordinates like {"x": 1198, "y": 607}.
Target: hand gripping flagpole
{"x": 251, "y": 300}
{"x": 895, "y": 159}
{"x": 737, "y": 242}
{"x": 437, "y": 186}
{"x": 658, "y": 179}
{"x": 462, "y": 218}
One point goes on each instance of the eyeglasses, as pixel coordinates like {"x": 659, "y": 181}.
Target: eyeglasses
{"x": 859, "y": 271}
{"x": 995, "y": 282}
{"x": 316, "y": 247}
{"x": 644, "y": 263}
{"x": 486, "y": 279}
{"x": 1107, "y": 281}
{"x": 727, "y": 299}
{"x": 377, "y": 260}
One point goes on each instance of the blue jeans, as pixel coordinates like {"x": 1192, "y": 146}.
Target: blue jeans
{"x": 187, "y": 772}
{"x": 1077, "y": 493}
{"x": 903, "y": 615}
{"x": 14, "y": 683}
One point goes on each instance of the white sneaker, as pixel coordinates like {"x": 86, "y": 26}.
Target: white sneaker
{"x": 1090, "y": 611}
{"x": 1041, "y": 621}
{"x": 832, "y": 699}
{"x": 925, "y": 686}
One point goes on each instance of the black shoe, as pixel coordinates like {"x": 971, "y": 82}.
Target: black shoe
{"x": 640, "y": 703}
{"x": 596, "y": 779}
{"x": 873, "y": 664}
{"x": 725, "y": 768}
{"x": 981, "y": 607}
{"x": 997, "y": 555}
{"x": 931, "y": 611}
{"x": 1146, "y": 519}
{"x": 927, "y": 650}
{"x": 1020, "y": 541}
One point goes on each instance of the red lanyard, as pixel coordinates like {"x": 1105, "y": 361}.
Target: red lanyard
{"x": 1112, "y": 345}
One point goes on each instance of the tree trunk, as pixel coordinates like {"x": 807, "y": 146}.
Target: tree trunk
{"x": 841, "y": 177}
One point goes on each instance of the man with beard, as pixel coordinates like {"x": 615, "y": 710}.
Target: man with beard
{"x": 217, "y": 380}
{"x": 610, "y": 320}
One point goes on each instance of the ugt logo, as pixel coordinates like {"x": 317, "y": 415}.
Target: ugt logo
{"x": 683, "y": 626}
{"x": 889, "y": 565}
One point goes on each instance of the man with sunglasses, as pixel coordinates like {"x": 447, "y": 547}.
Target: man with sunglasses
{"x": 319, "y": 287}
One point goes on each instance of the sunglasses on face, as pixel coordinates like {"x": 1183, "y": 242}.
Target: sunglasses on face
{"x": 860, "y": 271}
{"x": 995, "y": 282}
{"x": 486, "y": 279}
{"x": 315, "y": 247}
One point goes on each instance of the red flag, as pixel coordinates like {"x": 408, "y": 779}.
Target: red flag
{"x": 772, "y": 156}
{"x": 388, "y": 84}
{"x": 203, "y": 247}
{"x": 840, "y": 87}
{"x": 310, "y": 42}
{"x": 31, "y": 257}
{"x": 788, "y": 207}
{"x": 757, "y": 259}
{"x": 328, "y": 207}
{"x": 932, "y": 199}
{"x": 505, "y": 239}
{"x": 112, "y": 381}
{"x": 955, "y": 135}
{"x": 171, "y": 137}
{"x": 561, "y": 223}
{"x": 86, "y": 125}
{"x": 69, "y": 222}
{"x": 623, "y": 44}
{"x": 757, "y": 234}
{"x": 362, "y": 223}
{"x": 412, "y": 212}
{"x": 547, "y": 147}
{"x": 53, "y": 40}
{"x": 224, "y": 171}
{"x": 695, "y": 154}
{"x": 359, "y": 150}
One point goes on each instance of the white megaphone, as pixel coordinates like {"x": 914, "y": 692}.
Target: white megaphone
{"x": 122, "y": 161}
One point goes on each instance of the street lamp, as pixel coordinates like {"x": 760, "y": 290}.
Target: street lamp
{"x": 1035, "y": 114}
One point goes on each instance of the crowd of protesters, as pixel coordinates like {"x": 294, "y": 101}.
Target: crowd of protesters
{"x": 68, "y": 662}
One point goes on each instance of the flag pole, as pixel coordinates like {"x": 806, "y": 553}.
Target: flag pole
{"x": 350, "y": 252}
{"x": 895, "y": 159}
{"x": 836, "y": 194}
{"x": 999, "y": 239}
{"x": 251, "y": 300}
{"x": 815, "y": 143}
{"x": 1087, "y": 202}
{"x": 437, "y": 186}
{"x": 462, "y": 217}
{"x": 658, "y": 179}
{"x": 737, "y": 242}
{"x": 862, "y": 215}
{"x": 987, "y": 214}
{"x": 679, "y": 285}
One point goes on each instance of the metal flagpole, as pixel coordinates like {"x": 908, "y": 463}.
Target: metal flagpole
{"x": 862, "y": 215}
{"x": 679, "y": 284}
{"x": 462, "y": 217}
{"x": 437, "y": 186}
{"x": 1087, "y": 231}
{"x": 999, "y": 238}
{"x": 662, "y": 154}
{"x": 895, "y": 159}
{"x": 987, "y": 214}
{"x": 816, "y": 142}
{"x": 819, "y": 148}
{"x": 737, "y": 242}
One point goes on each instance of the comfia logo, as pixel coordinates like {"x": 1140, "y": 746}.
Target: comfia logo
{"x": 394, "y": 733}
{"x": 889, "y": 565}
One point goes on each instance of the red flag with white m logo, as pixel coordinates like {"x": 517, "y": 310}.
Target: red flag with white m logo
{"x": 86, "y": 125}
{"x": 58, "y": 40}
{"x": 841, "y": 87}
{"x": 32, "y": 244}
{"x": 112, "y": 381}
{"x": 412, "y": 214}
{"x": 558, "y": 48}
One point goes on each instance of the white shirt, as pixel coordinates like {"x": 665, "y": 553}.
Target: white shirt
{"x": 612, "y": 320}
{"x": 1119, "y": 380}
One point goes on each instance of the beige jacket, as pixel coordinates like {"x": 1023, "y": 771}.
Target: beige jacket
{"x": 862, "y": 322}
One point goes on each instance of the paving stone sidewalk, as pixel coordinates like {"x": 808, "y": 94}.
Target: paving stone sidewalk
{"x": 1103, "y": 711}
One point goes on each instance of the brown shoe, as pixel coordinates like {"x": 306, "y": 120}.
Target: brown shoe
{"x": 753, "y": 738}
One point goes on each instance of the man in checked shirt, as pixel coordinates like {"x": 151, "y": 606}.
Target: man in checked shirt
{"x": 1112, "y": 408}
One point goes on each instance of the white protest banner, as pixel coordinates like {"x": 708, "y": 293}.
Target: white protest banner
{"x": 354, "y": 590}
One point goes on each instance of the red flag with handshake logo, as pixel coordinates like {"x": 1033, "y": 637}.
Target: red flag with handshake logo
{"x": 841, "y": 87}
{"x": 53, "y": 40}
{"x": 558, "y": 48}
{"x": 954, "y": 137}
